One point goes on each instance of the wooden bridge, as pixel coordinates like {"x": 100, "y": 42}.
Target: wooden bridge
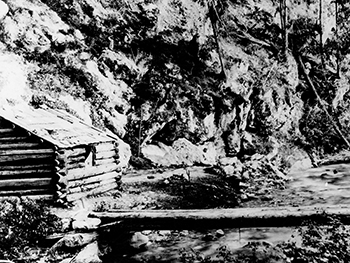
{"x": 223, "y": 218}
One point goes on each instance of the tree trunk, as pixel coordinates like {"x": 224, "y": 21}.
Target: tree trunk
{"x": 337, "y": 39}
{"x": 321, "y": 32}
{"x": 334, "y": 124}
{"x": 223, "y": 218}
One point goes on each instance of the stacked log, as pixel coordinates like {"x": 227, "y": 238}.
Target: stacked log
{"x": 26, "y": 163}
{"x": 30, "y": 165}
{"x": 84, "y": 178}
{"x": 61, "y": 182}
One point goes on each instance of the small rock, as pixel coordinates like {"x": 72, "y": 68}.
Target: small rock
{"x": 87, "y": 223}
{"x": 244, "y": 197}
{"x": 219, "y": 233}
{"x": 84, "y": 56}
{"x": 66, "y": 224}
{"x": 146, "y": 232}
{"x": 166, "y": 182}
{"x": 88, "y": 254}
{"x": 164, "y": 232}
{"x": 246, "y": 175}
{"x": 184, "y": 233}
{"x": 139, "y": 240}
{"x": 209, "y": 237}
{"x": 3, "y": 9}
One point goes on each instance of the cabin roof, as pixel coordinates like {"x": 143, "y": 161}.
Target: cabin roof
{"x": 56, "y": 126}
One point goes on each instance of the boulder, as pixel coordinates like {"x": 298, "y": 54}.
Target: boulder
{"x": 89, "y": 254}
{"x": 86, "y": 223}
{"x": 13, "y": 79}
{"x": 3, "y": 9}
{"x": 74, "y": 241}
{"x": 139, "y": 240}
{"x": 181, "y": 152}
{"x": 124, "y": 153}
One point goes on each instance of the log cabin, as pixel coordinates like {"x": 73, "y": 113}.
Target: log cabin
{"x": 49, "y": 153}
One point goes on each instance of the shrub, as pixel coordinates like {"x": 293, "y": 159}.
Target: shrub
{"x": 23, "y": 223}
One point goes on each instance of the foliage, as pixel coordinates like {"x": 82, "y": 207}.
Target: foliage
{"x": 321, "y": 244}
{"x": 23, "y": 223}
{"x": 318, "y": 244}
{"x": 319, "y": 132}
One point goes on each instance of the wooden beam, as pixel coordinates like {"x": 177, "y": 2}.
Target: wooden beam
{"x": 22, "y": 145}
{"x": 98, "y": 190}
{"x": 25, "y": 183}
{"x": 6, "y": 130}
{"x": 224, "y": 218}
{"x": 27, "y": 172}
{"x": 35, "y": 193}
{"x": 25, "y": 152}
{"x": 13, "y": 139}
{"x": 103, "y": 147}
{"x": 22, "y": 157}
{"x": 80, "y": 173}
{"x": 106, "y": 154}
{"x": 75, "y": 151}
{"x": 26, "y": 167}
{"x": 106, "y": 161}
{"x": 88, "y": 187}
{"x": 94, "y": 179}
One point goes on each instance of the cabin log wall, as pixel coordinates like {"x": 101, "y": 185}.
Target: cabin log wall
{"x": 87, "y": 170}
{"x": 30, "y": 165}
{"x": 26, "y": 162}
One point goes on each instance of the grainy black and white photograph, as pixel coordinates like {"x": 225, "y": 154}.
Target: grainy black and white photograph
{"x": 181, "y": 131}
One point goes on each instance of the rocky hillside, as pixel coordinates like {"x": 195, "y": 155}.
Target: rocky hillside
{"x": 185, "y": 81}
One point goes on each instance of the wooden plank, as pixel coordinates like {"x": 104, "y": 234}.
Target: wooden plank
{"x": 27, "y": 167}
{"x": 22, "y": 145}
{"x": 103, "y": 147}
{"x": 6, "y": 130}
{"x": 27, "y": 158}
{"x": 36, "y": 193}
{"x": 106, "y": 155}
{"x": 75, "y": 151}
{"x": 32, "y": 195}
{"x": 88, "y": 187}
{"x": 13, "y": 139}
{"x": 15, "y": 158}
{"x": 94, "y": 179}
{"x": 85, "y": 172}
{"x": 76, "y": 159}
{"x": 27, "y": 172}
{"x": 25, "y": 152}
{"x": 98, "y": 190}
{"x": 26, "y": 183}
{"x": 106, "y": 161}
{"x": 224, "y": 218}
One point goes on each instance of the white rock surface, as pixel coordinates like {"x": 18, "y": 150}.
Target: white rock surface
{"x": 13, "y": 80}
{"x": 139, "y": 240}
{"x": 181, "y": 152}
{"x": 3, "y": 9}
{"x": 88, "y": 254}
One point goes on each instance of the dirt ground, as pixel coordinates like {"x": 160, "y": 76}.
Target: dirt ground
{"x": 149, "y": 189}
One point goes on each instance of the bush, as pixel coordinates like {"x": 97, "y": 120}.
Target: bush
{"x": 23, "y": 223}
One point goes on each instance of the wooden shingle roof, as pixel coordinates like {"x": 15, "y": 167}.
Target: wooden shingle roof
{"x": 56, "y": 126}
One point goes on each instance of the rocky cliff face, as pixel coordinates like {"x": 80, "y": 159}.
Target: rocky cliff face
{"x": 181, "y": 82}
